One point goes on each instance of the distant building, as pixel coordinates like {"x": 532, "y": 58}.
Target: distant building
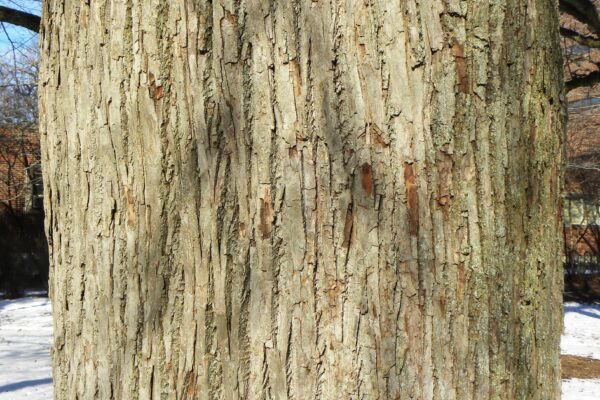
{"x": 23, "y": 245}
{"x": 581, "y": 211}
{"x": 21, "y": 187}
{"x": 582, "y": 228}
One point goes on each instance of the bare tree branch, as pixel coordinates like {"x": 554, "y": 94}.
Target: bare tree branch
{"x": 20, "y": 18}
{"x": 584, "y": 11}
{"x": 584, "y": 40}
{"x": 583, "y": 80}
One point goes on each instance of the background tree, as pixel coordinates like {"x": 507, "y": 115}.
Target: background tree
{"x": 22, "y": 246}
{"x": 580, "y": 29}
{"x": 19, "y": 146}
{"x": 19, "y": 13}
{"x": 19, "y": 143}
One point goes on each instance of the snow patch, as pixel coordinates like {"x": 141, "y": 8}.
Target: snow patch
{"x": 25, "y": 341}
{"x": 581, "y": 336}
{"x": 581, "y": 389}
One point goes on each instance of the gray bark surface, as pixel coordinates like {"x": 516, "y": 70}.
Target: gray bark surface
{"x": 307, "y": 199}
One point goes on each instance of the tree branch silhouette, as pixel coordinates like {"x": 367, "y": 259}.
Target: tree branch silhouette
{"x": 20, "y": 18}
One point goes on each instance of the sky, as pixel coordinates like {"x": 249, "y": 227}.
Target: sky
{"x": 10, "y": 34}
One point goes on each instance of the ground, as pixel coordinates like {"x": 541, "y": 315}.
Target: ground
{"x": 580, "y": 346}
{"x": 26, "y": 336}
{"x": 25, "y": 339}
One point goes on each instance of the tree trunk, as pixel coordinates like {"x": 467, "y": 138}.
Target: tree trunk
{"x": 303, "y": 199}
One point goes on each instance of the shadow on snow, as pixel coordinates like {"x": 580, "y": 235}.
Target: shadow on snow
{"x": 23, "y": 384}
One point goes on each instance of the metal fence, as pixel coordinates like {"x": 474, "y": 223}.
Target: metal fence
{"x": 578, "y": 265}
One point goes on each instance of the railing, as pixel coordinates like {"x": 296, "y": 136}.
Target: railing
{"x": 582, "y": 265}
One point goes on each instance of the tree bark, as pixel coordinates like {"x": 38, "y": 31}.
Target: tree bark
{"x": 303, "y": 199}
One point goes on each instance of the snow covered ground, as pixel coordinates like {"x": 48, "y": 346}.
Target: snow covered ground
{"x": 26, "y": 336}
{"x": 582, "y": 330}
{"x": 581, "y": 389}
{"x": 581, "y": 337}
{"x": 25, "y": 339}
